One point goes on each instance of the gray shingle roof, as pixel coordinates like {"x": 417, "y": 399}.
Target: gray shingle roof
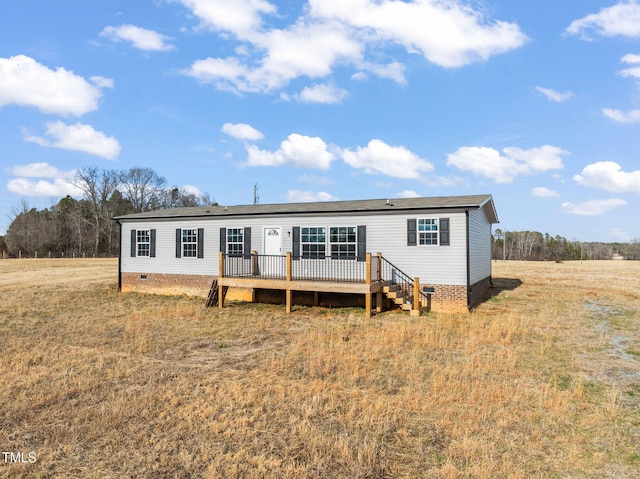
{"x": 443, "y": 202}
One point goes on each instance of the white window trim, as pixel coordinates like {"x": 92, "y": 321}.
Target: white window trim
{"x": 436, "y": 231}
{"x": 139, "y": 243}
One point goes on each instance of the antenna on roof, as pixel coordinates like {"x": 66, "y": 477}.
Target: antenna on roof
{"x": 256, "y": 198}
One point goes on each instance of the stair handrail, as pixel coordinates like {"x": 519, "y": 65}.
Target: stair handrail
{"x": 405, "y": 279}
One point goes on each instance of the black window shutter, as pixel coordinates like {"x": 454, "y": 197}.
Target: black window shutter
{"x": 178, "y": 243}
{"x": 133, "y": 243}
{"x": 223, "y": 240}
{"x": 444, "y": 231}
{"x": 152, "y": 243}
{"x": 295, "y": 246}
{"x": 362, "y": 243}
{"x": 412, "y": 233}
{"x": 200, "y": 242}
{"x": 246, "y": 248}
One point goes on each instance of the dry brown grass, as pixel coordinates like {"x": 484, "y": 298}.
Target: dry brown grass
{"x": 542, "y": 380}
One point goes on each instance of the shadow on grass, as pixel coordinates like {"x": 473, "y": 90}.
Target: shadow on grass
{"x": 501, "y": 284}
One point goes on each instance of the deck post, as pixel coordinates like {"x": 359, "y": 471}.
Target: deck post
{"x": 368, "y": 297}
{"x": 254, "y": 263}
{"x": 368, "y": 269}
{"x": 416, "y": 297}
{"x": 289, "y": 266}
{"x": 220, "y": 275}
{"x": 288, "y": 300}
{"x": 379, "y": 278}
{"x": 289, "y": 276}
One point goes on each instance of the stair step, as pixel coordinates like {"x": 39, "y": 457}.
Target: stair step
{"x": 396, "y": 294}
{"x": 392, "y": 288}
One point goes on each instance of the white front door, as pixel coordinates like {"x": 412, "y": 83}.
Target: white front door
{"x": 272, "y": 241}
{"x": 272, "y": 263}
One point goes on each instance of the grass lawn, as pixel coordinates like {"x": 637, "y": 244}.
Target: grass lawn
{"x": 541, "y": 380}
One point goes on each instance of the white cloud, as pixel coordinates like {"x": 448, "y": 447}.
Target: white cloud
{"x": 333, "y": 33}
{"x": 608, "y": 175}
{"x": 241, "y": 18}
{"x": 593, "y": 207}
{"x": 542, "y": 192}
{"x": 630, "y": 72}
{"x": 25, "y": 82}
{"x": 302, "y": 50}
{"x": 298, "y": 150}
{"x": 78, "y": 137}
{"x": 408, "y": 194}
{"x": 42, "y": 188}
{"x": 634, "y": 71}
{"x": 224, "y": 73}
{"x": 192, "y": 190}
{"x": 41, "y": 170}
{"x": 322, "y": 93}
{"x": 102, "y": 82}
{"x": 449, "y": 34}
{"x": 140, "y": 38}
{"x": 622, "y": 19}
{"x": 378, "y": 157}
{"x": 632, "y": 116}
{"x": 298, "y": 196}
{"x": 631, "y": 58}
{"x": 242, "y": 131}
{"x": 554, "y": 95}
{"x": 489, "y": 163}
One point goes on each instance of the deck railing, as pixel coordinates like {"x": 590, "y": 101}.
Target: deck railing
{"x": 255, "y": 265}
{"x": 289, "y": 267}
{"x": 394, "y": 275}
{"x": 368, "y": 270}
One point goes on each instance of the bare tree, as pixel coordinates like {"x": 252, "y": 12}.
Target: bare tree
{"x": 143, "y": 187}
{"x": 97, "y": 187}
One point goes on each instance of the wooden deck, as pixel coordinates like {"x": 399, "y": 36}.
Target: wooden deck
{"x": 368, "y": 280}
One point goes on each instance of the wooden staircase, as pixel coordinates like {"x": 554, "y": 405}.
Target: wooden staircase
{"x": 403, "y": 297}
{"x": 212, "y": 299}
{"x": 399, "y": 296}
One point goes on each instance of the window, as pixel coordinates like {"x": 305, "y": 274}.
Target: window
{"x": 342, "y": 240}
{"x": 235, "y": 241}
{"x": 190, "y": 243}
{"x": 428, "y": 231}
{"x": 143, "y": 242}
{"x": 313, "y": 241}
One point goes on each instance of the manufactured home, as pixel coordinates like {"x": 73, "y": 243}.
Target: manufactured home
{"x": 416, "y": 253}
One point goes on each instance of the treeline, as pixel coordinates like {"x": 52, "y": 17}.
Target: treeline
{"x": 535, "y": 246}
{"x": 85, "y": 227}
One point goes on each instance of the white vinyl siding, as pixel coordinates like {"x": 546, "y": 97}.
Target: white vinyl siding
{"x": 479, "y": 246}
{"x": 386, "y": 233}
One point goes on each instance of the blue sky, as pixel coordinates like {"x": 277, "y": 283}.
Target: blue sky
{"x": 537, "y": 103}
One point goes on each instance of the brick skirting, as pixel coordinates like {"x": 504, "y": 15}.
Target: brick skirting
{"x": 190, "y": 284}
